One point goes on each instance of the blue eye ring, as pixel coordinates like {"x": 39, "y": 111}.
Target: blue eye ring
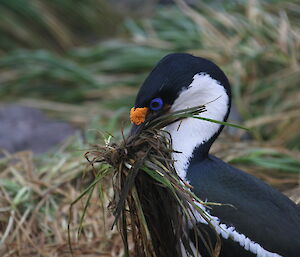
{"x": 156, "y": 104}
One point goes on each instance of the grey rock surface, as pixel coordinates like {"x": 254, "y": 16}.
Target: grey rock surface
{"x": 24, "y": 128}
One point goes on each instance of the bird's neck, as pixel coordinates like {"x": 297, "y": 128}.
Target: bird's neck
{"x": 192, "y": 137}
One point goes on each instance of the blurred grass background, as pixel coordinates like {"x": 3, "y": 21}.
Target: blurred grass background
{"x": 83, "y": 61}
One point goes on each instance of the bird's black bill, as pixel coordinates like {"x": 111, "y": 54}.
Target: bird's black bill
{"x": 136, "y": 129}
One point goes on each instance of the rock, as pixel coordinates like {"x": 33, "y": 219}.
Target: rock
{"x": 23, "y": 128}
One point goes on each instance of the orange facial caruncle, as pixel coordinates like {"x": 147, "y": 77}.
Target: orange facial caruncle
{"x": 138, "y": 115}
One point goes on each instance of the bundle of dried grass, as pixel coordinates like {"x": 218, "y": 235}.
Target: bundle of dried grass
{"x": 151, "y": 203}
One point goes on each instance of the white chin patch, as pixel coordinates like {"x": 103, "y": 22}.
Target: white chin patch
{"x": 190, "y": 133}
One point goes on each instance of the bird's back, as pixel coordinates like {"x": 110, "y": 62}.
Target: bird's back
{"x": 255, "y": 210}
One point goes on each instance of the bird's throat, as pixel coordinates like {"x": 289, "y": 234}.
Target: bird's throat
{"x": 191, "y": 140}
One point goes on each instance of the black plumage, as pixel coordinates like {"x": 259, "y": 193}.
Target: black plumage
{"x": 258, "y": 211}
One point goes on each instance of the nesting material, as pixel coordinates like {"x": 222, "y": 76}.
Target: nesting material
{"x": 151, "y": 203}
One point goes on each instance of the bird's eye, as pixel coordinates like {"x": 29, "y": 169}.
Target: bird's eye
{"x": 156, "y": 104}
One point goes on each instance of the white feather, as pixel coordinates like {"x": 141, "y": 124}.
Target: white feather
{"x": 230, "y": 232}
{"x": 190, "y": 133}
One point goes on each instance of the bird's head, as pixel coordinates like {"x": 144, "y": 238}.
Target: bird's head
{"x": 181, "y": 81}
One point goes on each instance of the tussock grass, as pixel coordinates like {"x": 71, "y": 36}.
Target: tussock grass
{"x": 56, "y": 25}
{"x": 255, "y": 42}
